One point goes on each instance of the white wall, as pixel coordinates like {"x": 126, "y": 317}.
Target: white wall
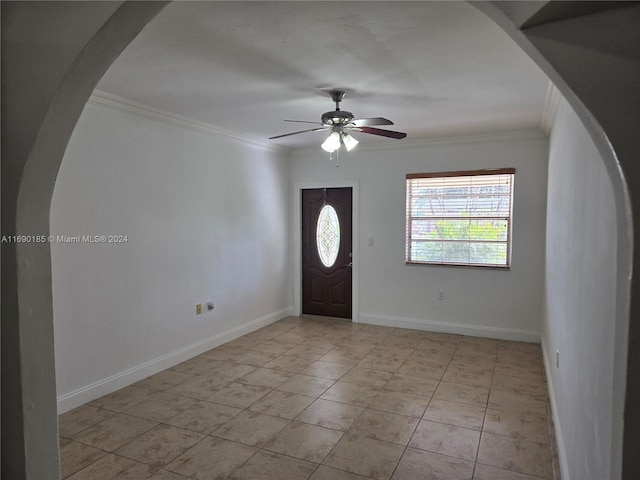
{"x": 580, "y": 293}
{"x": 206, "y": 218}
{"x": 484, "y": 302}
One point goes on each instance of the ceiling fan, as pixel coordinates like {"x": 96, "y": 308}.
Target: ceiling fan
{"x": 340, "y": 123}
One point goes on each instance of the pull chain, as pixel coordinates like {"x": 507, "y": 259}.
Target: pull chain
{"x": 337, "y": 152}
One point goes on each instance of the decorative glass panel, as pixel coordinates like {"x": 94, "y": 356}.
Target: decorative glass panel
{"x": 328, "y": 235}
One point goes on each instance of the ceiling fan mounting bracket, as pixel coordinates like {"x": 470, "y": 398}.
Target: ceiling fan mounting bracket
{"x": 337, "y": 96}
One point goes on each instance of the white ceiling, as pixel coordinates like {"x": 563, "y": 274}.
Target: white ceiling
{"x": 434, "y": 68}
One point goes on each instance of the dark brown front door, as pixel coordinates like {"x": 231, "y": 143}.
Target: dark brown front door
{"x": 326, "y": 252}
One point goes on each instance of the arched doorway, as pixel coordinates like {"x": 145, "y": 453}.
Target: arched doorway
{"x": 589, "y": 55}
{"x": 68, "y": 47}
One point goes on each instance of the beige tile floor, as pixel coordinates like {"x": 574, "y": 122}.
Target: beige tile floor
{"x": 321, "y": 399}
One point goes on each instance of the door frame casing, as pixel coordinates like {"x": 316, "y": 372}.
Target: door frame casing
{"x": 297, "y": 240}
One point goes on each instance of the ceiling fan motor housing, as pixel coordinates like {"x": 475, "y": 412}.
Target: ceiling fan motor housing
{"x": 337, "y": 117}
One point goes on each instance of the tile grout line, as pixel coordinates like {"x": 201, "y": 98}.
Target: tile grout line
{"x": 484, "y": 417}
{"x": 404, "y": 451}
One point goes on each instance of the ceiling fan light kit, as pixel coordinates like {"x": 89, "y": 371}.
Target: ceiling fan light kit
{"x": 340, "y": 123}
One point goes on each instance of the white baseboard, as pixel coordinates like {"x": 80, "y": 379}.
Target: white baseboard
{"x": 564, "y": 469}
{"x": 456, "y": 328}
{"x": 115, "y": 382}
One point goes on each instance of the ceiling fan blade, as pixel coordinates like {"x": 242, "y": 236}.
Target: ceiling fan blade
{"x": 369, "y": 122}
{"x": 381, "y": 132}
{"x": 301, "y": 131}
{"x": 302, "y": 121}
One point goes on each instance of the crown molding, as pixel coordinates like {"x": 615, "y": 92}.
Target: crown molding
{"x": 551, "y": 104}
{"x": 122, "y": 104}
{"x": 480, "y": 137}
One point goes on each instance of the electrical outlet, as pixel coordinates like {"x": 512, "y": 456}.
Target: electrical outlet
{"x": 441, "y": 295}
{"x": 210, "y": 305}
{"x": 198, "y": 308}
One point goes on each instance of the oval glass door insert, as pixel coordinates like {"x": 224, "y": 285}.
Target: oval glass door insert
{"x": 328, "y": 235}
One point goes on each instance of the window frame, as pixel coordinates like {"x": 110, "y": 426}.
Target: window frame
{"x": 463, "y": 173}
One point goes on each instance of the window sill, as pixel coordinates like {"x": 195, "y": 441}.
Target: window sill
{"x": 461, "y": 265}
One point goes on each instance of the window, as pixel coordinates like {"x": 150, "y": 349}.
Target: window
{"x": 460, "y": 218}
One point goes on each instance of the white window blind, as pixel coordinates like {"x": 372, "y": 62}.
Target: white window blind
{"x": 460, "y": 218}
